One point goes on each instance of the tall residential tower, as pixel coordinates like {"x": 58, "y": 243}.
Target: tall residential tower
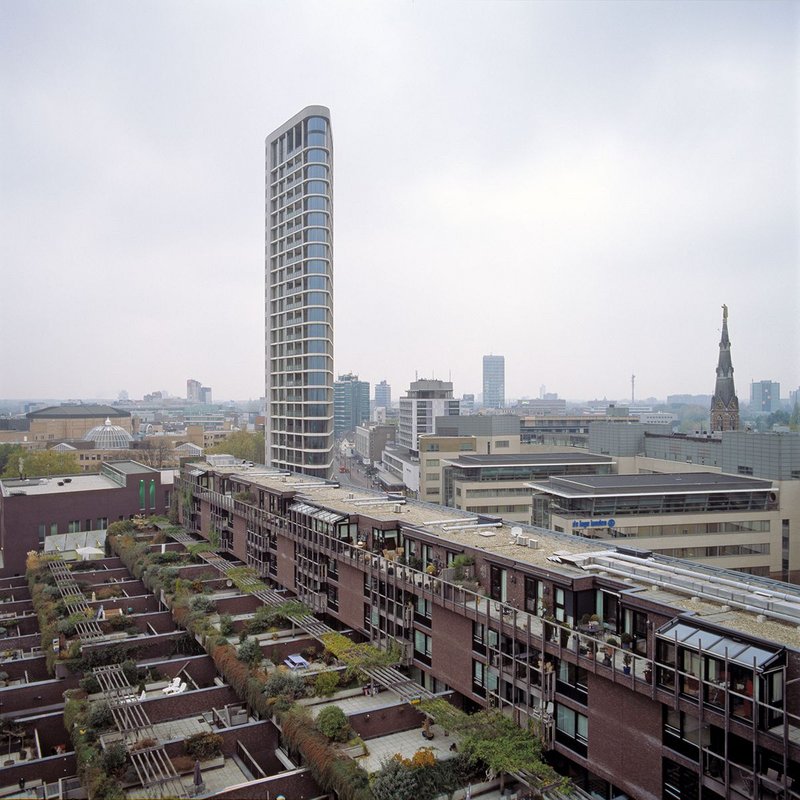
{"x": 299, "y": 294}
{"x": 494, "y": 381}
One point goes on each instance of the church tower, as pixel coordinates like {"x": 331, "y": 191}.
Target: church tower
{"x": 724, "y": 403}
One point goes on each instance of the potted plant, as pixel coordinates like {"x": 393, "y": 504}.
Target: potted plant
{"x": 648, "y": 671}
{"x": 627, "y": 641}
{"x": 594, "y": 623}
{"x": 626, "y": 664}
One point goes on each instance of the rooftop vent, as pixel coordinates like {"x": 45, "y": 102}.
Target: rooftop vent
{"x": 533, "y": 543}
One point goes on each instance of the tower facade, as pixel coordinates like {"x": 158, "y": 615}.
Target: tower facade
{"x": 494, "y": 381}
{"x": 350, "y": 403}
{"x": 426, "y": 399}
{"x": 724, "y": 403}
{"x": 299, "y": 294}
{"x": 383, "y": 395}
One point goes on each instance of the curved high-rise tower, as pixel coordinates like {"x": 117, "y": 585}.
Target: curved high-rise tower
{"x": 299, "y": 294}
{"x": 724, "y": 403}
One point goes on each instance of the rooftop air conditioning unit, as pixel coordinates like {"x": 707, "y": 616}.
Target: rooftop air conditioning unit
{"x": 397, "y": 508}
{"x": 534, "y": 543}
{"x": 522, "y": 541}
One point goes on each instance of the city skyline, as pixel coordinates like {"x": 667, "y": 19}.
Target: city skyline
{"x": 577, "y": 179}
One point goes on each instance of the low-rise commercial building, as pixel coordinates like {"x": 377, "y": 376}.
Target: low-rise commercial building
{"x": 498, "y": 484}
{"x": 728, "y": 520}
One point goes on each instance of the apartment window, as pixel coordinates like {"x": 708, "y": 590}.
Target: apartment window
{"x": 431, "y": 476}
{"x": 432, "y": 462}
{"x": 74, "y": 526}
{"x": 679, "y": 783}
{"x": 422, "y": 611}
{"x": 422, "y": 647}
{"x": 572, "y": 729}
{"x": 54, "y": 529}
{"x": 743, "y": 470}
{"x": 42, "y": 532}
{"x": 684, "y": 733}
{"x": 102, "y": 523}
{"x": 502, "y": 443}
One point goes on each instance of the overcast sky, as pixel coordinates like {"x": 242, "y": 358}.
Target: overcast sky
{"x": 577, "y": 186}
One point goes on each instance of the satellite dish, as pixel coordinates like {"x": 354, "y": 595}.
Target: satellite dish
{"x": 516, "y": 531}
{"x": 229, "y": 583}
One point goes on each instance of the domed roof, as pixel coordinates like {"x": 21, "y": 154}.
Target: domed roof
{"x": 109, "y": 437}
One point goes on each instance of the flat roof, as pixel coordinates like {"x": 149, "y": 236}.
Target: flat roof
{"x": 59, "y": 484}
{"x": 77, "y": 411}
{"x": 671, "y": 483}
{"x": 130, "y": 467}
{"x": 569, "y": 458}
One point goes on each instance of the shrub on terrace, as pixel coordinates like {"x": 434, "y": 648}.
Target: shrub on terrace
{"x": 226, "y": 625}
{"x": 202, "y": 603}
{"x": 250, "y": 652}
{"x": 332, "y": 721}
{"x": 285, "y": 684}
{"x": 203, "y": 745}
{"x": 326, "y": 683}
{"x": 333, "y": 771}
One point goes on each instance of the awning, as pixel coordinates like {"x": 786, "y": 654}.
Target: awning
{"x": 719, "y": 646}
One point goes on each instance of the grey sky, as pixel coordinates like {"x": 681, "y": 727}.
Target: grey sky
{"x": 577, "y": 186}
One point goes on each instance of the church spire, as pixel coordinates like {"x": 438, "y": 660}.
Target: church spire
{"x": 724, "y": 403}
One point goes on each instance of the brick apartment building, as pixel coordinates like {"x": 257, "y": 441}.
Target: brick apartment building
{"x": 34, "y": 508}
{"x": 646, "y": 676}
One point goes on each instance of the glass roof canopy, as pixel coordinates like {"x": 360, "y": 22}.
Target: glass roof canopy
{"x": 737, "y": 652}
{"x": 318, "y": 513}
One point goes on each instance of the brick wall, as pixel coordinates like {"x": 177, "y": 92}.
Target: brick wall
{"x": 47, "y": 769}
{"x": 351, "y": 596}
{"x": 451, "y": 658}
{"x": 32, "y": 696}
{"x": 383, "y": 721}
{"x": 297, "y": 785}
{"x": 189, "y": 703}
{"x": 285, "y": 561}
{"x": 625, "y": 738}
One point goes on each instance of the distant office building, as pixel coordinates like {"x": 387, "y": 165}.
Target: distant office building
{"x": 425, "y": 400}
{"x": 299, "y": 294}
{"x": 205, "y": 395}
{"x": 494, "y": 381}
{"x": 688, "y": 399}
{"x": 549, "y": 404}
{"x": 724, "y": 403}
{"x": 74, "y": 421}
{"x": 467, "y": 404}
{"x": 765, "y": 397}
{"x": 193, "y": 388}
{"x": 383, "y": 395}
{"x": 655, "y": 417}
{"x": 350, "y": 403}
{"x": 371, "y": 439}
